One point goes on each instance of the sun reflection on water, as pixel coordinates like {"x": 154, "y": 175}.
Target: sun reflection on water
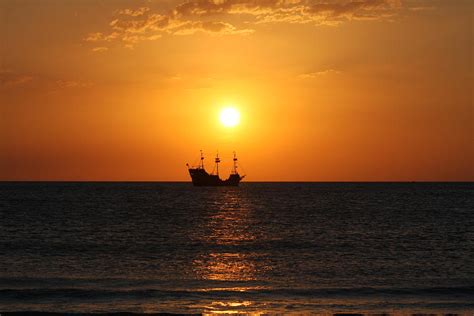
{"x": 229, "y": 259}
{"x": 225, "y": 267}
{"x": 237, "y": 307}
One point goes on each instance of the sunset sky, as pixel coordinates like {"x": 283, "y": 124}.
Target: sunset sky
{"x": 362, "y": 90}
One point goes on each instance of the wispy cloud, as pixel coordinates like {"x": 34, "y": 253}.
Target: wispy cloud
{"x": 293, "y": 11}
{"x": 11, "y": 79}
{"x": 218, "y": 17}
{"x": 221, "y": 28}
{"x": 100, "y": 49}
{"x": 136, "y": 12}
{"x": 422, "y": 8}
{"x": 15, "y": 80}
{"x": 312, "y": 75}
{"x": 64, "y": 84}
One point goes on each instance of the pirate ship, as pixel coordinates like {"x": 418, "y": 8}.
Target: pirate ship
{"x": 201, "y": 177}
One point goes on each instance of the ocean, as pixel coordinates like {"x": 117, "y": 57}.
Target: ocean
{"x": 321, "y": 248}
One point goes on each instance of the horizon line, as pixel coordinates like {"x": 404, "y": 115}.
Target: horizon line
{"x": 257, "y": 181}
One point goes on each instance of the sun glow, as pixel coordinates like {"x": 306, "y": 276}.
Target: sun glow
{"x": 229, "y": 117}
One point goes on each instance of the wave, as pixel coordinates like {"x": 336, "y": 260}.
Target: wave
{"x": 267, "y": 301}
{"x": 461, "y": 292}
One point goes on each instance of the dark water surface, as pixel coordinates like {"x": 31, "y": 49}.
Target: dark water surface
{"x": 261, "y": 247}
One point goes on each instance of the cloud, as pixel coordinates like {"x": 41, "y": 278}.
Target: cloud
{"x": 10, "y": 79}
{"x": 292, "y": 11}
{"x": 65, "y": 84}
{"x": 422, "y": 8}
{"x": 14, "y": 80}
{"x": 353, "y": 9}
{"x": 100, "y": 49}
{"x": 229, "y": 17}
{"x": 221, "y": 28}
{"x": 312, "y": 75}
{"x": 211, "y": 7}
{"x": 137, "y": 12}
{"x": 94, "y": 37}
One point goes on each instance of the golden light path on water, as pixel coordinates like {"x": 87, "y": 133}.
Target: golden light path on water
{"x": 229, "y": 226}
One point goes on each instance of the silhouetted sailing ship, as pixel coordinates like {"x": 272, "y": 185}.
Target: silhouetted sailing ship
{"x": 200, "y": 177}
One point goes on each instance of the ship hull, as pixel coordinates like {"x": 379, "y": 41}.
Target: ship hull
{"x": 201, "y": 178}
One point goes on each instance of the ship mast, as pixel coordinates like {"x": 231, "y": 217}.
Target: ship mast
{"x": 217, "y": 163}
{"x": 202, "y": 160}
{"x": 235, "y": 164}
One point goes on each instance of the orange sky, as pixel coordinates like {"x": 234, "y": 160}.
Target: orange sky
{"x": 367, "y": 90}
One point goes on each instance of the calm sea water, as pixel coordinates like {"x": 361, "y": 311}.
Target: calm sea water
{"x": 261, "y": 247}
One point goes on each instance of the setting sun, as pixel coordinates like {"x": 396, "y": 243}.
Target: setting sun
{"x": 229, "y": 117}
